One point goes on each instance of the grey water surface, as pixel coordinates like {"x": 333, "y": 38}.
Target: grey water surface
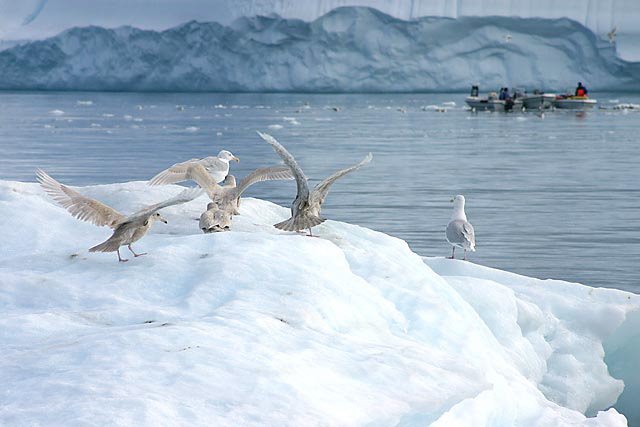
{"x": 551, "y": 197}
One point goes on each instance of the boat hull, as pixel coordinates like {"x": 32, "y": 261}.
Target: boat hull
{"x": 538, "y": 102}
{"x": 574, "y": 104}
{"x": 478, "y": 104}
{"x": 485, "y": 104}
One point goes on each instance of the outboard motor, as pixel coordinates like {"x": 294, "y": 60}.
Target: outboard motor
{"x": 508, "y": 104}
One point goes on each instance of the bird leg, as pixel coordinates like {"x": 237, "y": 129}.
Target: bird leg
{"x": 119, "y": 257}
{"x": 135, "y": 254}
{"x": 465, "y": 255}
{"x": 310, "y": 233}
{"x": 452, "y": 253}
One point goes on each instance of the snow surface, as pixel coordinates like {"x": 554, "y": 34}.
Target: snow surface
{"x": 348, "y": 49}
{"x": 261, "y": 327}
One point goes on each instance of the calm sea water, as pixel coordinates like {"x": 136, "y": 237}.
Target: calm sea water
{"x": 552, "y": 197}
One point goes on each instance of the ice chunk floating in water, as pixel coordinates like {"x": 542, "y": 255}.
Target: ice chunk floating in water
{"x": 261, "y": 327}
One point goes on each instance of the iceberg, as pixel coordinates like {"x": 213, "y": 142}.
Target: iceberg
{"x": 347, "y": 50}
{"x": 262, "y": 327}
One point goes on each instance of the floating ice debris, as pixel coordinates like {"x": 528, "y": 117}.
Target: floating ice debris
{"x": 291, "y": 120}
{"x": 84, "y": 102}
{"x": 180, "y": 107}
{"x": 48, "y": 126}
{"x": 323, "y": 119}
{"x": 127, "y": 117}
{"x": 137, "y": 119}
{"x": 197, "y": 117}
{"x": 436, "y": 108}
{"x": 139, "y": 107}
{"x": 56, "y": 112}
{"x": 275, "y": 127}
{"x": 108, "y": 115}
{"x": 449, "y": 104}
{"x": 219, "y": 106}
{"x": 614, "y": 101}
{"x": 95, "y": 125}
{"x": 626, "y": 106}
{"x": 192, "y": 129}
{"x": 218, "y": 133}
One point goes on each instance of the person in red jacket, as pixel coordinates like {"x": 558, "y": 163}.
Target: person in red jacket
{"x": 581, "y": 90}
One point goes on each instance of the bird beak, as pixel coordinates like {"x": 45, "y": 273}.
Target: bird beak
{"x": 236, "y": 159}
{"x": 163, "y": 220}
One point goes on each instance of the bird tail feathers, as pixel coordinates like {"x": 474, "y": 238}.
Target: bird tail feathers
{"x": 107, "y": 246}
{"x": 299, "y": 223}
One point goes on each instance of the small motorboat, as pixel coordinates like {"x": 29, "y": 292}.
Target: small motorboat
{"x": 478, "y": 103}
{"x": 493, "y": 101}
{"x": 570, "y": 102}
{"x": 538, "y": 100}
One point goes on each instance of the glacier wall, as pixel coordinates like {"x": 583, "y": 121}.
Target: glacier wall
{"x": 346, "y": 50}
{"x": 38, "y": 18}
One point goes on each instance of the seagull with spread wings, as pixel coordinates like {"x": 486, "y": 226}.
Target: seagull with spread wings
{"x": 305, "y": 209}
{"x": 126, "y": 229}
{"x": 226, "y": 198}
{"x": 216, "y": 166}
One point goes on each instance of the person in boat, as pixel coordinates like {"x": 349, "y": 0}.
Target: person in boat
{"x": 581, "y": 90}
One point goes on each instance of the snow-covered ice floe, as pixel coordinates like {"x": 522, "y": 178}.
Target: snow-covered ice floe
{"x": 262, "y": 327}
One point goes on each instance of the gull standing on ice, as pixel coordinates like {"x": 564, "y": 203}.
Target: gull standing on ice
{"x": 459, "y": 231}
{"x": 226, "y": 199}
{"x": 218, "y": 167}
{"x": 305, "y": 209}
{"x": 126, "y": 229}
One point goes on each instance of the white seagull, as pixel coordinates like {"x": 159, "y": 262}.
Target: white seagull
{"x": 217, "y": 166}
{"x": 459, "y": 231}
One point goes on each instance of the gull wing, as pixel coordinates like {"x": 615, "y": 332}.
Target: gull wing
{"x": 321, "y": 190}
{"x": 183, "y": 197}
{"x": 469, "y": 233}
{"x": 81, "y": 207}
{"x": 273, "y": 173}
{"x": 461, "y": 232}
{"x": 289, "y": 160}
{"x": 199, "y": 174}
{"x": 176, "y": 173}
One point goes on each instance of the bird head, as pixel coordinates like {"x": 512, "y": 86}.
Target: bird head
{"x": 458, "y": 201}
{"x": 229, "y": 181}
{"x": 226, "y": 155}
{"x": 157, "y": 217}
